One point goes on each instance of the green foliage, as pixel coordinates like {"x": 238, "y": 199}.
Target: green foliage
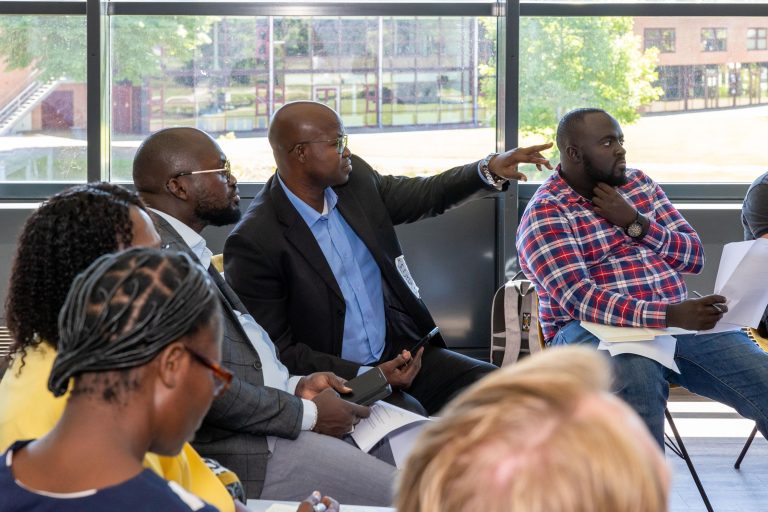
{"x": 141, "y": 45}
{"x": 56, "y": 45}
{"x": 145, "y": 46}
{"x": 566, "y": 63}
{"x": 582, "y": 62}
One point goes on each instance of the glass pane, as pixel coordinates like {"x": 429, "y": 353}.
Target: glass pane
{"x": 688, "y": 109}
{"x": 42, "y": 98}
{"x": 399, "y": 83}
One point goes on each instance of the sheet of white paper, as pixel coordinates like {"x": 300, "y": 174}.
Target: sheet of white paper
{"x": 401, "y": 442}
{"x": 661, "y": 349}
{"x": 732, "y": 254}
{"x": 743, "y": 283}
{"x": 614, "y": 334}
{"x": 384, "y": 419}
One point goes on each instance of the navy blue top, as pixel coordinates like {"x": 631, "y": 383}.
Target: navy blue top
{"x": 145, "y": 492}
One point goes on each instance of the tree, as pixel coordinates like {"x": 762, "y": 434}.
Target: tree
{"x": 573, "y": 62}
{"x": 142, "y": 46}
{"x": 54, "y": 45}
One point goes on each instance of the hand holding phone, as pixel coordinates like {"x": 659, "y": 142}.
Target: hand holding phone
{"x": 424, "y": 340}
{"x": 368, "y": 387}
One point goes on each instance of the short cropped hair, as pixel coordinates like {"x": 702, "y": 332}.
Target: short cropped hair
{"x": 524, "y": 439}
{"x": 567, "y": 124}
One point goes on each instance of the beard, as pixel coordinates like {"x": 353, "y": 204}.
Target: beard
{"x": 607, "y": 177}
{"x": 217, "y": 215}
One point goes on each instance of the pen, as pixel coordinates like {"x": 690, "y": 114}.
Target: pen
{"x": 716, "y": 306}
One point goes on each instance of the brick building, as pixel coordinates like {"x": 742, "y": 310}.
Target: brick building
{"x": 708, "y": 62}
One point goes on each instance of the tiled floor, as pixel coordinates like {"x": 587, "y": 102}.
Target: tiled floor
{"x": 714, "y": 435}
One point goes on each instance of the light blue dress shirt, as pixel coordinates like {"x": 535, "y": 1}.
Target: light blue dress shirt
{"x": 357, "y": 274}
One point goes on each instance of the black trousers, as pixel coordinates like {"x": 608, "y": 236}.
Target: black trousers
{"x": 443, "y": 375}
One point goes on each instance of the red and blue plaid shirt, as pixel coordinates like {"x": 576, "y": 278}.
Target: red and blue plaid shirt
{"x": 587, "y": 269}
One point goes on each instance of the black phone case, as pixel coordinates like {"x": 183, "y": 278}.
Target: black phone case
{"x": 368, "y": 387}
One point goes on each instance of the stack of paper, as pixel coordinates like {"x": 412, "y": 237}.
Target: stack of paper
{"x": 614, "y": 334}
{"x": 385, "y": 419}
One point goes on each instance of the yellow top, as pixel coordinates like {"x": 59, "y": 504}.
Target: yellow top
{"x": 28, "y": 410}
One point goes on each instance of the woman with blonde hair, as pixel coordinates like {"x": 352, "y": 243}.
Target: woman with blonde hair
{"x": 543, "y": 435}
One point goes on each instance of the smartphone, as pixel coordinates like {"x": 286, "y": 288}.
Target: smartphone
{"x": 423, "y": 341}
{"x": 368, "y": 387}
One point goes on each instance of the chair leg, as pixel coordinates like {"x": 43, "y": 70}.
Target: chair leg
{"x": 751, "y": 438}
{"x": 680, "y": 450}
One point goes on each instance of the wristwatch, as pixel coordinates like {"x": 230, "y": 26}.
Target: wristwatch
{"x": 635, "y": 229}
{"x": 492, "y": 178}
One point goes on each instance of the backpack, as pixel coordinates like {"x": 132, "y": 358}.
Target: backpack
{"x": 514, "y": 321}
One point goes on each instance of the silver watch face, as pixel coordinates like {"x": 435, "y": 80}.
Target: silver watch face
{"x": 635, "y": 230}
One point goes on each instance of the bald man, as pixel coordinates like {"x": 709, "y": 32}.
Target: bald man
{"x": 317, "y": 262}
{"x": 277, "y": 432}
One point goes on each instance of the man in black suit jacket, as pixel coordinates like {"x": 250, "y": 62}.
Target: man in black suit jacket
{"x": 277, "y": 257}
{"x": 264, "y": 433}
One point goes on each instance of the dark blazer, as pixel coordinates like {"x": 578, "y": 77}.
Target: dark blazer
{"x": 235, "y": 427}
{"x": 276, "y": 266}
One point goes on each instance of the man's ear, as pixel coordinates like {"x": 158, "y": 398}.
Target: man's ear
{"x": 301, "y": 153}
{"x": 573, "y": 153}
{"x": 172, "y": 363}
{"x": 176, "y": 188}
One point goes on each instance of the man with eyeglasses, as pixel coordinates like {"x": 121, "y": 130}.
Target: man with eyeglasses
{"x": 317, "y": 261}
{"x": 277, "y": 432}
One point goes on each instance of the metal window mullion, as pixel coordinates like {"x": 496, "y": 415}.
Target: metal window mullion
{"x": 301, "y": 9}
{"x": 94, "y": 88}
{"x": 507, "y": 100}
{"x": 643, "y": 9}
{"x": 31, "y": 8}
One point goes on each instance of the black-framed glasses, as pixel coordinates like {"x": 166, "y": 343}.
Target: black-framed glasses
{"x": 225, "y": 172}
{"x": 222, "y": 377}
{"x": 341, "y": 143}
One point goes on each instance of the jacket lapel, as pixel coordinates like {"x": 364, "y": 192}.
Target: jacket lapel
{"x": 358, "y": 220}
{"x": 172, "y": 240}
{"x": 299, "y": 235}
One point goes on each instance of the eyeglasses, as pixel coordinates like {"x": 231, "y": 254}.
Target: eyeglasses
{"x": 225, "y": 172}
{"x": 222, "y": 376}
{"x": 341, "y": 143}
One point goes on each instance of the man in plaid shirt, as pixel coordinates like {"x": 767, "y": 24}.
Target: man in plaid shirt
{"x": 603, "y": 244}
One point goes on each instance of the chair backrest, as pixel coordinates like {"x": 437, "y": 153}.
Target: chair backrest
{"x": 761, "y": 342}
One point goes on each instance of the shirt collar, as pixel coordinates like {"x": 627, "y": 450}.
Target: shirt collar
{"x": 193, "y": 239}
{"x": 564, "y": 190}
{"x": 309, "y": 214}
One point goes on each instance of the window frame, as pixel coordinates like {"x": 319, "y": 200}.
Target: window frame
{"x": 757, "y": 39}
{"x": 705, "y": 41}
{"x": 507, "y": 13}
{"x": 660, "y": 40}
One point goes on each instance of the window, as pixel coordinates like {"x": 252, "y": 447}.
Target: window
{"x": 707, "y": 101}
{"x": 398, "y": 83}
{"x": 713, "y": 39}
{"x": 661, "y": 38}
{"x": 42, "y": 98}
{"x": 756, "y": 38}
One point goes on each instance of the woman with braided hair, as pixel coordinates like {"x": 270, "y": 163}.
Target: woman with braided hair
{"x": 140, "y": 337}
{"x": 60, "y": 240}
